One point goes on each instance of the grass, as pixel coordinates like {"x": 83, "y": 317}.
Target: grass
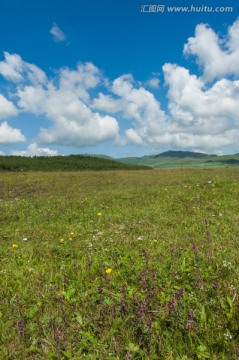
{"x": 119, "y": 265}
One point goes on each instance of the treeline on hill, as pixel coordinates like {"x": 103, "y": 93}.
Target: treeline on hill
{"x": 64, "y": 163}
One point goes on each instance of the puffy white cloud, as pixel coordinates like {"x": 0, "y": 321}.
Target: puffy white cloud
{"x": 108, "y": 103}
{"x": 66, "y": 105}
{"x": 9, "y": 135}
{"x": 32, "y": 99}
{"x": 218, "y": 57}
{"x": 133, "y": 137}
{"x": 87, "y": 76}
{"x": 7, "y": 108}
{"x": 153, "y": 83}
{"x": 202, "y": 112}
{"x": 13, "y": 68}
{"x": 135, "y": 104}
{"x": 57, "y": 33}
{"x": 34, "y": 150}
{"x": 88, "y": 130}
{"x": 203, "y": 117}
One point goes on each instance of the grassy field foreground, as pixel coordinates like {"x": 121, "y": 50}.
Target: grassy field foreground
{"x": 119, "y": 265}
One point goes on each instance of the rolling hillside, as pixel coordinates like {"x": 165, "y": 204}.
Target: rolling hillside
{"x": 183, "y": 159}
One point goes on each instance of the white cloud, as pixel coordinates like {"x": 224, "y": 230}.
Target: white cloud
{"x": 8, "y": 135}
{"x": 57, "y": 33}
{"x": 66, "y": 105}
{"x": 87, "y": 76}
{"x": 205, "y": 117}
{"x": 202, "y": 112}
{"x": 138, "y": 105}
{"x": 133, "y": 137}
{"x": 91, "y": 129}
{"x": 2, "y": 153}
{"x": 108, "y": 103}
{"x": 7, "y": 108}
{"x": 153, "y": 83}
{"x": 13, "y": 68}
{"x": 218, "y": 57}
{"x": 34, "y": 150}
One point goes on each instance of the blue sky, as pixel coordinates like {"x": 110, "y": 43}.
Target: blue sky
{"x": 106, "y": 77}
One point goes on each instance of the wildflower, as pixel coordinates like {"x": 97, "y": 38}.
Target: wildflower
{"x": 140, "y": 238}
{"x": 191, "y": 325}
{"x": 14, "y": 246}
{"x": 99, "y": 214}
{"x": 70, "y": 238}
{"x": 61, "y": 241}
{"x": 108, "y": 271}
{"x": 226, "y": 264}
{"x": 72, "y": 233}
{"x": 155, "y": 241}
{"x": 143, "y": 305}
{"x": 25, "y": 239}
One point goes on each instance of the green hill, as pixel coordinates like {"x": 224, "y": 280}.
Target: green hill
{"x": 183, "y": 159}
{"x": 182, "y": 154}
{"x": 62, "y": 163}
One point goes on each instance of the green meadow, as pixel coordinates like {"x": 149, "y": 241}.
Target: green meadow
{"x": 119, "y": 264}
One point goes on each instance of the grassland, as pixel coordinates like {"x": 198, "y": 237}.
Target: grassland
{"x": 119, "y": 265}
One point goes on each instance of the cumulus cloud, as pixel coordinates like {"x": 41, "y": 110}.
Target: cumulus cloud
{"x": 7, "y": 108}
{"x": 34, "y": 150}
{"x": 217, "y": 56}
{"x": 74, "y": 123}
{"x": 153, "y": 83}
{"x": 9, "y": 135}
{"x": 13, "y": 68}
{"x": 201, "y": 116}
{"x": 84, "y": 108}
{"x": 57, "y": 33}
{"x": 135, "y": 104}
{"x": 87, "y": 76}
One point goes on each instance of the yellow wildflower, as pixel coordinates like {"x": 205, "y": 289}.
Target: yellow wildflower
{"x": 70, "y": 238}
{"x": 108, "y": 271}
{"x": 62, "y": 240}
{"x": 155, "y": 241}
{"x": 72, "y": 233}
{"x": 14, "y": 246}
{"x": 99, "y": 214}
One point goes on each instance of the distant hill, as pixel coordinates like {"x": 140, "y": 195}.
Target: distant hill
{"x": 63, "y": 163}
{"x": 183, "y": 159}
{"x": 182, "y": 154}
{"x": 166, "y": 160}
{"x": 102, "y": 156}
